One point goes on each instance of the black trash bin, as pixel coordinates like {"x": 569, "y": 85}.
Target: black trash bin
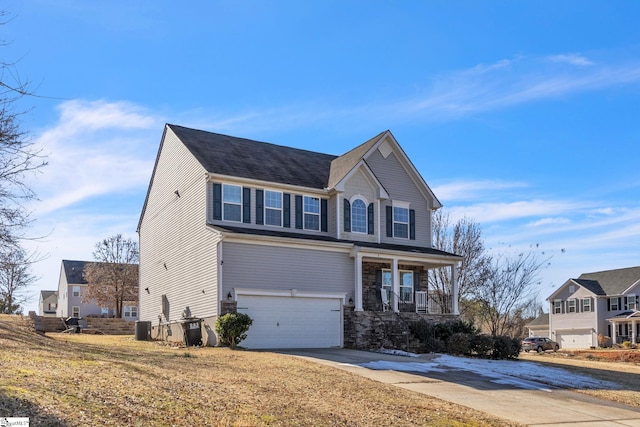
{"x": 192, "y": 331}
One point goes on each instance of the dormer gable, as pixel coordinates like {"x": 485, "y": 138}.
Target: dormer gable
{"x": 385, "y": 145}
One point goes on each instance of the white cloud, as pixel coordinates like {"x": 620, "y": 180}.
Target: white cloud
{"x": 472, "y": 190}
{"x": 95, "y": 148}
{"x": 571, "y": 58}
{"x": 485, "y": 213}
{"x": 549, "y": 221}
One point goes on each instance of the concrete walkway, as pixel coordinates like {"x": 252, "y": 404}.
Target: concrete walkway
{"x": 545, "y": 406}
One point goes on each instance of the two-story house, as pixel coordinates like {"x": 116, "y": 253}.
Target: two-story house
{"x": 603, "y": 303}
{"x": 293, "y": 238}
{"x": 71, "y": 287}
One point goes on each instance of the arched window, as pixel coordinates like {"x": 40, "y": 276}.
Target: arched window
{"x": 358, "y": 216}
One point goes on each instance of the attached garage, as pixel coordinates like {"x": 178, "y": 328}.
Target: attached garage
{"x": 292, "y": 321}
{"x": 574, "y": 339}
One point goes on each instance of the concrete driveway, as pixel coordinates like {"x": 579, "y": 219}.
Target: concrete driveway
{"x": 541, "y": 405}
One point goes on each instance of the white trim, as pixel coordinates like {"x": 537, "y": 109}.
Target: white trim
{"x": 304, "y": 212}
{"x": 293, "y": 293}
{"x": 231, "y": 203}
{"x": 366, "y": 213}
{"x": 234, "y": 180}
{"x": 265, "y": 207}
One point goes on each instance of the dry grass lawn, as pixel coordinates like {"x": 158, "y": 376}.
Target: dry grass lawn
{"x": 618, "y": 366}
{"x": 89, "y": 380}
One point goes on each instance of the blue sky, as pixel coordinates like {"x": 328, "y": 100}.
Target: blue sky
{"x": 521, "y": 115}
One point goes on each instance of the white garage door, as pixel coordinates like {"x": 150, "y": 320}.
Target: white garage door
{"x": 292, "y": 322}
{"x": 574, "y": 339}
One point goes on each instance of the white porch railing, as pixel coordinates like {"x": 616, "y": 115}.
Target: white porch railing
{"x": 421, "y": 302}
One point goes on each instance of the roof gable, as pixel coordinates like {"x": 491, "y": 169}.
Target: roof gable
{"x": 614, "y": 282}
{"x": 245, "y": 158}
{"x": 603, "y": 283}
{"x": 74, "y": 271}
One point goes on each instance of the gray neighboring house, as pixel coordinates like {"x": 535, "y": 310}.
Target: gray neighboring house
{"x": 301, "y": 241}
{"x": 539, "y": 327}
{"x": 602, "y": 303}
{"x": 72, "y": 285}
{"x": 48, "y": 303}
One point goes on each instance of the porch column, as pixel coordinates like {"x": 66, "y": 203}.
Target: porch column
{"x": 614, "y": 333}
{"x": 454, "y": 289}
{"x": 633, "y": 331}
{"x": 395, "y": 274}
{"x": 358, "y": 287}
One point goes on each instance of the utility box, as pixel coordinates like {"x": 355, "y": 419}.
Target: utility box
{"x": 143, "y": 330}
{"x": 192, "y": 331}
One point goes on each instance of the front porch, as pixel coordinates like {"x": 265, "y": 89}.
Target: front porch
{"x": 626, "y": 327}
{"x": 392, "y": 298}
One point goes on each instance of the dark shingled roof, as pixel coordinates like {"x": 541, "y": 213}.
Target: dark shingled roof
{"x": 74, "y": 270}
{"x": 612, "y": 282}
{"x": 46, "y": 294}
{"x": 591, "y": 285}
{"x": 324, "y": 238}
{"x": 542, "y": 320}
{"x": 228, "y": 155}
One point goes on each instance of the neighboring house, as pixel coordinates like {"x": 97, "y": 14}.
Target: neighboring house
{"x": 539, "y": 327}
{"x": 295, "y": 239}
{"x": 71, "y": 287}
{"x": 602, "y": 304}
{"x": 48, "y": 303}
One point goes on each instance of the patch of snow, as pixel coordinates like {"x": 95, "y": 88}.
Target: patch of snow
{"x": 395, "y": 352}
{"x": 527, "y": 375}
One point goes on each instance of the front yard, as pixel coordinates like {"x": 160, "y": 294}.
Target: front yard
{"x": 620, "y": 366}
{"x": 80, "y": 380}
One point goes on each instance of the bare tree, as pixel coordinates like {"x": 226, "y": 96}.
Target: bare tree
{"x": 463, "y": 238}
{"x": 113, "y": 279}
{"x": 508, "y": 289}
{"x": 18, "y": 157}
{"x": 15, "y": 278}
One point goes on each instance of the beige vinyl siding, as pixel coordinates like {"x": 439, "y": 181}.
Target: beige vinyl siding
{"x": 401, "y": 187}
{"x": 178, "y": 255}
{"x": 63, "y": 295}
{"x": 284, "y": 268}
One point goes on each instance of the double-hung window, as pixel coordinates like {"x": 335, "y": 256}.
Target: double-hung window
{"x": 571, "y": 306}
{"x": 75, "y": 311}
{"x": 631, "y": 302}
{"x": 232, "y": 202}
{"x": 358, "y": 216}
{"x": 557, "y": 306}
{"x": 76, "y": 291}
{"x": 130, "y": 311}
{"x": 586, "y": 304}
{"x": 613, "y": 304}
{"x": 311, "y": 213}
{"x": 273, "y": 208}
{"x": 401, "y": 222}
{"x": 406, "y": 284}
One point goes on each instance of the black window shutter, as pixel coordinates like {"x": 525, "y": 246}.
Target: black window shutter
{"x": 370, "y": 219}
{"x": 346, "y": 213}
{"x": 217, "y": 201}
{"x": 389, "y": 221}
{"x": 378, "y": 282}
{"x": 298, "y": 202}
{"x": 246, "y": 205}
{"x": 260, "y": 207}
{"x": 286, "y": 210}
{"x": 416, "y": 281}
{"x": 323, "y": 214}
{"x": 608, "y": 304}
{"x": 619, "y": 303}
{"x": 412, "y": 224}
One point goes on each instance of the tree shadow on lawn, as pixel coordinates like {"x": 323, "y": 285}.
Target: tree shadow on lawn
{"x": 11, "y": 407}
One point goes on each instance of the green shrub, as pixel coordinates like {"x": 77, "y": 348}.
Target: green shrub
{"x": 482, "y": 345}
{"x": 459, "y": 343}
{"x": 505, "y": 347}
{"x": 232, "y": 328}
{"x": 626, "y": 344}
